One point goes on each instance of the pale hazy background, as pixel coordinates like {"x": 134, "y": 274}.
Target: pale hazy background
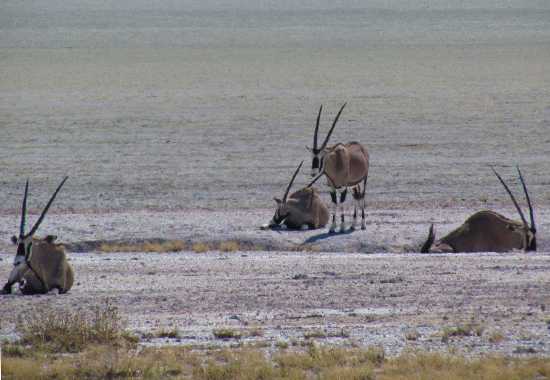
{"x": 186, "y": 104}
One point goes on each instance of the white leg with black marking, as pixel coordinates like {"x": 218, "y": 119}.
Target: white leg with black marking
{"x": 342, "y": 210}
{"x": 334, "y": 197}
{"x": 354, "y": 222}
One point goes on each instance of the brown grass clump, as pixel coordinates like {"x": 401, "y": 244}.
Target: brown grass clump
{"x": 496, "y": 337}
{"x": 200, "y": 247}
{"x": 172, "y": 334}
{"x": 227, "y": 333}
{"x": 469, "y": 329}
{"x": 229, "y": 246}
{"x": 412, "y": 335}
{"x": 62, "y": 330}
{"x": 148, "y": 246}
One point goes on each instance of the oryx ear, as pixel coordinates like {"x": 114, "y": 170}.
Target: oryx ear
{"x": 309, "y": 149}
{"x": 50, "y": 238}
{"x": 277, "y": 200}
{"x": 14, "y": 239}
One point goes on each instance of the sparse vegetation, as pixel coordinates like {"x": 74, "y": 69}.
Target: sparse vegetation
{"x": 172, "y": 333}
{"x": 200, "y": 247}
{"x": 412, "y": 335}
{"x": 315, "y": 334}
{"x": 105, "y": 361}
{"x": 496, "y": 337}
{"x": 227, "y": 333}
{"x": 229, "y": 246}
{"x": 469, "y": 329}
{"x": 148, "y": 246}
{"x": 72, "y": 331}
{"x": 281, "y": 344}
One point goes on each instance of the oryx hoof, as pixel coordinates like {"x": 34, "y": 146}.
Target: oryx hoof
{"x": 342, "y": 229}
{"x": 363, "y": 226}
{"x": 332, "y": 230}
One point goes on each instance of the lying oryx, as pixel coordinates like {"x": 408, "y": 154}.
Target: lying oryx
{"x": 488, "y": 231}
{"x": 302, "y": 209}
{"x": 40, "y": 265}
{"x": 345, "y": 165}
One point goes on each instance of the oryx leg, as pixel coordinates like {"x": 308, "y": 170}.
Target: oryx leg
{"x": 363, "y": 204}
{"x": 354, "y": 222}
{"x": 334, "y": 197}
{"x": 342, "y": 210}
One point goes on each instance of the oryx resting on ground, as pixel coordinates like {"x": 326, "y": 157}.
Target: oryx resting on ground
{"x": 40, "y": 265}
{"x": 302, "y": 209}
{"x": 345, "y": 166}
{"x": 488, "y": 231}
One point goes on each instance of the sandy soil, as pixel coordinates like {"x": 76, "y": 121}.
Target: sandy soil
{"x": 354, "y": 298}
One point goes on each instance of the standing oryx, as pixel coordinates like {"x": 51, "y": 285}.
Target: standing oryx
{"x": 303, "y": 208}
{"x": 345, "y": 165}
{"x": 40, "y": 265}
{"x": 488, "y": 231}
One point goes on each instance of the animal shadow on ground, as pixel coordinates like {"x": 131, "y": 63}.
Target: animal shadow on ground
{"x": 326, "y": 235}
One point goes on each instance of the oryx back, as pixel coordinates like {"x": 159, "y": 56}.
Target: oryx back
{"x": 486, "y": 231}
{"x": 346, "y": 164}
{"x": 49, "y": 262}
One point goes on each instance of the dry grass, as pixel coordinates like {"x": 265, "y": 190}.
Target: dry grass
{"x": 412, "y": 335}
{"x": 149, "y": 247}
{"x": 200, "y": 247}
{"x": 438, "y": 366}
{"x": 229, "y": 246}
{"x": 227, "y": 333}
{"x": 172, "y": 333}
{"x": 61, "y": 330}
{"x": 178, "y": 246}
{"x": 107, "y": 362}
{"x": 468, "y": 329}
{"x": 496, "y": 337}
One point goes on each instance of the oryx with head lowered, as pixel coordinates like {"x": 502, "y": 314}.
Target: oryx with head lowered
{"x": 301, "y": 209}
{"x": 40, "y": 265}
{"x": 488, "y": 231}
{"x": 345, "y": 166}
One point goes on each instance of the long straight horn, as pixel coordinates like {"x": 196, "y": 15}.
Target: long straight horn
{"x": 41, "y": 218}
{"x": 533, "y": 227}
{"x": 429, "y": 241}
{"x": 24, "y": 211}
{"x": 316, "y": 179}
{"x": 333, "y": 125}
{"x": 511, "y": 196}
{"x": 292, "y": 181}
{"x": 316, "y": 133}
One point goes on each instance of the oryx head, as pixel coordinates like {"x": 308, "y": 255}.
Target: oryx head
{"x": 282, "y": 211}
{"x": 317, "y": 151}
{"x": 530, "y": 230}
{"x": 24, "y": 241}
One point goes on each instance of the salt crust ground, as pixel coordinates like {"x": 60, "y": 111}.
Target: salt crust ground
{"x": 353, "y": 297}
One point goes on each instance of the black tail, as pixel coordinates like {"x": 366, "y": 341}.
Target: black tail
{"x": 428, "y": 244}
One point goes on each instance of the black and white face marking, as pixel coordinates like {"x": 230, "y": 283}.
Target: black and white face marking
{"x": 279, "y": 216}
{"x": 317, "y": 163}
{"x": 281, "y": 213}
{"x": 24, "y": 248}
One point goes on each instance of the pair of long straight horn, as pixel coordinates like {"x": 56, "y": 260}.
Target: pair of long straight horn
{"x": 44, "y": 212}
{"x": 294, "y": 177}
{"x": 533, "y": 226}
{"x": 316, "y": 133}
